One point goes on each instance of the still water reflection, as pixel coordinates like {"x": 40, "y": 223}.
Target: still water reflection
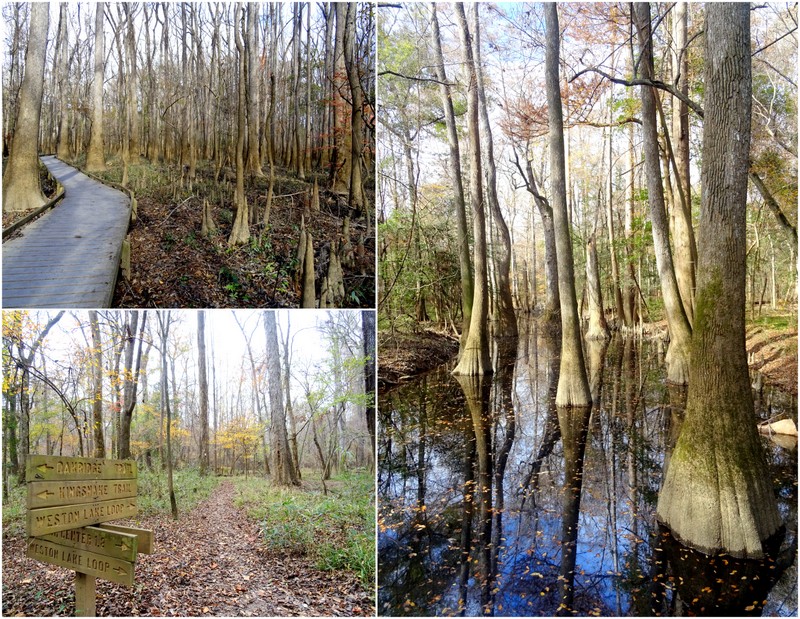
{"x": 495, "y": 502}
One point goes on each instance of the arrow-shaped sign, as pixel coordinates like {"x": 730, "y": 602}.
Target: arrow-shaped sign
{"x": 44, "y": 494}
{"x": 123, "y": 546}
{"x": 43, "y": 467}
{"x": 120, "y": 571}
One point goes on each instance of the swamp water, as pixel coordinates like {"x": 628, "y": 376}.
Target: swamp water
{"x": 493, "y": 502}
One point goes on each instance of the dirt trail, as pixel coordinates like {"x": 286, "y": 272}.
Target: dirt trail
{"x": 210, "y": 562}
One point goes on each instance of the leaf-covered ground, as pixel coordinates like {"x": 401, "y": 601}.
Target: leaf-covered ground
{"x": 211, "y": 561}
{"x": 174, "y": 265}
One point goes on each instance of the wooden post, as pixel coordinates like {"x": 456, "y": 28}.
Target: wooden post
{"x": 85, "y": 595}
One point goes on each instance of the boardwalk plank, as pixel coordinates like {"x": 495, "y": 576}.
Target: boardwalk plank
{"x": 69, "y": 257}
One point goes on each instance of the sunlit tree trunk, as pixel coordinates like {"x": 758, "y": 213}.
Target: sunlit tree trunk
{"x": 240, "y": 234}
{"x": 475, "y": 356}
{"x": 283, "y": 470}
{"x": 598, "y": 327}
{"x": 573, "y": 386}
{"x": 95, "y": 157}
{"x": 201, "y": 365}
{"x": 131, "y": 378}
{"x": 97, "y": 386}
{"x": 717, "y": 493}
{"x": 454, "y": 161}
{"x": 21, "y": 189}
{"x": 507, "y": 320}
{"x": 681, "y": 216}
{"x": 679, "y": 330}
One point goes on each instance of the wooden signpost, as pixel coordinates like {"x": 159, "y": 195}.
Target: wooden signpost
{"x": 66, "y": 498}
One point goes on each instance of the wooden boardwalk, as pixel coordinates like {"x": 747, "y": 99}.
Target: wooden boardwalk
{"x": 68, "y": 257}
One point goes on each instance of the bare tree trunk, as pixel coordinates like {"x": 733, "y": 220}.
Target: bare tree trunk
{"x": 164, "y": 322}
{"x": 21, "y": 190}
{"x": 507, "y": 320}
{"x": 681, "y": 216}
{"x": 95, "y": 157}
{"x": 356, "y": 196}
{"x": 131, "y": 379}
{"x": 240, "y": 234}
{"x": 598, "y": 327}
{"x": 97, "y": 386}
{"x": 283, "y": 470}
{"x": 717, "y": 494}
{"x": 679, "y": 330}
{"x": 368, "y": 340}
{"x": 454, "y": 160}
{"x": 573, "y": 386}
{"x": 475, "y": 355}
{"x": 201, "y": 364}
{"x": 253, "y": 165}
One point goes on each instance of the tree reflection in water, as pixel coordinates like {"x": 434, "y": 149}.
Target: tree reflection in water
{"x": 492, "y": 502}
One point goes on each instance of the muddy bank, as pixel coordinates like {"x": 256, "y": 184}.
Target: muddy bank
{"x": 405, "y": 355}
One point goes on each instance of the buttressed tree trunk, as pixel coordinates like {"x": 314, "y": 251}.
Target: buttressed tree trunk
{"x": 680, "y": 332}
{"x": 598, "y": 327}
{"x": 95, "y": 157}
{"x": 573, "y": 386}
{"x": 475, "y": 356}
{"x": 21, "y": 190}
{"x": 240, "y": 234}
{"x": 507, "y": 320}
{"x": 681, "y": 218}
{"x": 717, "y": 494}
{"x": 465, "y": 265}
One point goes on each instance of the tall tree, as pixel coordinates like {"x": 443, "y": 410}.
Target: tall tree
{"x": 504, "y": 303}
{"x": 201, "y": 365}
{"x": 131, "y": 373}
{"x": 475, "y": 355}
{"x": 240, "y": 234}
{"x": 573, "y": 385}
{"x": 680, "y": 332}
{"x": 63, "y": 148}
{"x": 356, "y": 196}
{"x": 368, "y": 340}
{"x": 97, "y": 386}
{"x": 454, "y": 163}
{"x": 681, "y": 216}
{"x": 717, "y": 494}
{"x": 21, "y": 190}
{"x": 95, "y": 156}
{"x": 283, "y": 471}
{"x": 165, "y": 320}
{"x": 253, "y": 165}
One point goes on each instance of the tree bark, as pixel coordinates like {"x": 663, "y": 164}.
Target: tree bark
{"x": 283, "y": 470}
{"x": 717, "y": 494}
{"x": 598, "y": 327}
{"x": 97, "y": 386}
{"x": 679, "y": 330}
{"x": 131, "y": 379}
{"x": 253, "y": 165}
{"x": 240, "y": 234}
{"x": 454, "y": 161}
{"x": 573, "y": 386}
{"x": 356, "y": 195}
{"x": 475, "y": 356}
{"x": 21, "y": 189}
{"x": 201, "y": 364}
{"x": 368, "y": 341}
{"x": 95, "y": 157}
{"x": 681, "y": 216}
{"x": 507, "y": 320}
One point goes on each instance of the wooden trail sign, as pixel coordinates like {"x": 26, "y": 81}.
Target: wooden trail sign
{"x": 44, "y": 468}
{"x": 54, "y": 519}
{"x": 82, "y": 561}
{"x": 68, "y": 495}
{"x": 52, "y": 493}
{"x": 101, "y": 541}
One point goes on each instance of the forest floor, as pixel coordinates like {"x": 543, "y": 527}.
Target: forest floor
{"x": 211, "y": 561}
{"x": 771, "y": 348}
{"x": 174, "y": 265}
